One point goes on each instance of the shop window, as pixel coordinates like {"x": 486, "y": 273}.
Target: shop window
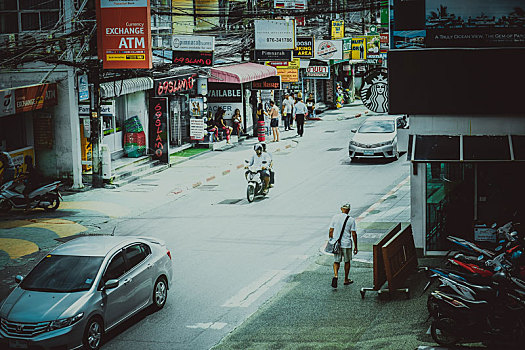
{"x": 486, "y": 148}
{"x": 449, "y": 203}
{"x": 436, "y": 147}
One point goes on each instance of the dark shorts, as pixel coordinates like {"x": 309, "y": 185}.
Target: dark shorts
{"x": 274, "y": 123}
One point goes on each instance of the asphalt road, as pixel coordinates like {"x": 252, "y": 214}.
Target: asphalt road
{"x": 231, "y": 256}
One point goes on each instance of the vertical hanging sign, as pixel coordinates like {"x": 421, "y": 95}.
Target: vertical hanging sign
{"x": 159, "y": 128}
{"x": 124, "y": 33}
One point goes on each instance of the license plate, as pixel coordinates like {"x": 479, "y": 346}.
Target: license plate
{"x": 18, "y": 344}
{"x": 368, "y": 153}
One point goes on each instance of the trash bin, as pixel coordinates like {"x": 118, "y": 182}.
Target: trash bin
{"x": 105, "y": 153}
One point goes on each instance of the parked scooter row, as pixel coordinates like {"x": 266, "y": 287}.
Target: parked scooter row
{"x": 46, "y": 196}
{"x": 481, "y": 297}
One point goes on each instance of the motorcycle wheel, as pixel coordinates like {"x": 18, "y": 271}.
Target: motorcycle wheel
{"x": 250, "y": 193}
{"x": 55, "y": 202}
{"x": 442, "y": 331}
{"x": 5, "y": 206}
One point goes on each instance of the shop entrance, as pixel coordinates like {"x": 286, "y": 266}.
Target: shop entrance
{"x": 459, "y": 195}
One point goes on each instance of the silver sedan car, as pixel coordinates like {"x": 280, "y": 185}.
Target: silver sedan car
{"x": 376, "y": 137}
{"x": 84, "y": 288}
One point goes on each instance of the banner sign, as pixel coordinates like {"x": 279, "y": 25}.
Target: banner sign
{"x": 159, "y": 128}
{"x": 374, "y": 92}
{"x": 224, "y": 92}
{"x": 338, "y": 29}
{"x": 328, "y": 50}
{"x": 419, "y": 24}
{"x": 317, "y": 72}
{"x": 192, "y": 43}
{"x": 358, "y": 48}
{"x": 274, "y": 34}
{"x": 197, "y": 129}
{"x": 304, "y": 47}
{"x": 373, "y": 45}
{"x": 347, "y": 49}
{"x": 273, "y": 55}
{"x": 174, "y": 85}
{"x": 124, "y": 33}
{"x": 196, "y": 106}
{"x": 194, "y": 58}
{"x": 270, "y": 83}
{"x": 293, "y": 64}
{"x": 27, "y": 98}
{"x": 288, "y": 75}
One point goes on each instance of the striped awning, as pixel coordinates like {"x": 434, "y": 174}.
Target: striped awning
{"x": 241, "y": 73}
{"x": 124, "y": 87}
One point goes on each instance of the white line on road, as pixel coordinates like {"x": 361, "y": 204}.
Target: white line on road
{"x": 209, "y": 325}
{"x": 250, "y": 293}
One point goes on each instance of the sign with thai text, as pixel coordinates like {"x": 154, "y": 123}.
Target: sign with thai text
{"x": 197, "y": 129}
{"x": 159, "y": 128}
{"x": 174, "y": 85}
{"x": 288, "y": 75}
{"x": 194, "y": 58}
{"x": 304, "y": 47}
{"x": 295, "y": 63}
{"x": 124, "y": 33}
{"x": 270, "y": 83}
{"x": 338, "y": 29}
{"x": 317, "y": 72}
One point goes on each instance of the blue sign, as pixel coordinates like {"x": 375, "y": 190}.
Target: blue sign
{"x": 83, "y": 88}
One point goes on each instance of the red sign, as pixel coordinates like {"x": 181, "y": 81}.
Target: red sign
{"x": 300, "y": 21}
{"x": 159, "y": 128}
{"x": 171, "y": 86}
{"x": 33, "y": 97}
{"x": 124, "y": 33}
{"x": 194, "y": 58}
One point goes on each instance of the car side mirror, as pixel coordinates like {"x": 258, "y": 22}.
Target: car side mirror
{"x": 354, "y": 130}
{"x": 19, "y": 278}
{"x": 110, "y": 284}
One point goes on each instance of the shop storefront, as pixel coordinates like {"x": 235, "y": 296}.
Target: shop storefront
{"x": 26, "y": 121}
{"x": 228, "y": 82}
{"x": 186, "y": 99}
{"x": 460, "y": 183}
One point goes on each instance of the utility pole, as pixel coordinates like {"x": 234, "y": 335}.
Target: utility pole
{"x": 95, "y": 124}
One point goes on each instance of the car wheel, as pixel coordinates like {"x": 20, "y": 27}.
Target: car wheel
{"x": 93, "y": 334}
{"x": 160, "y": 293}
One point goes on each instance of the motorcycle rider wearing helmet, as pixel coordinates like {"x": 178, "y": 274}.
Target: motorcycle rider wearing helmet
{"x": 257, "y": 161}
{"x": 269, "y": 161}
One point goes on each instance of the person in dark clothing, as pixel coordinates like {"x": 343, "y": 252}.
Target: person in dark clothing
{"x": 219, "y": 122}
{"x": 8, "y": 167}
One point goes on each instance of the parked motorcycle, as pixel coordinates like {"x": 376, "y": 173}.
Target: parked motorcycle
{"x": 256, "y": 186}
{"x": 47, "y": 197}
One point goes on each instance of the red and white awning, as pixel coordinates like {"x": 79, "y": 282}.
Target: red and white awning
{"x": 241, "y": 73}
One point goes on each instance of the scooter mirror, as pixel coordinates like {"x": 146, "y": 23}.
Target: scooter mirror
{"x": 498, "y": 248}
{"x": 480, "y": 257}
{"x": 494, "y": 225}
{"x": 246, "y": 161}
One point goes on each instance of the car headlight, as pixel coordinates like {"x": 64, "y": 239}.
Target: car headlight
{"x": 353, "y": 143}
{"x": 65, "y": 322}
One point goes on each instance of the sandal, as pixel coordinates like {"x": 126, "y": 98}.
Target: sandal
{"x": 348, "y": 282}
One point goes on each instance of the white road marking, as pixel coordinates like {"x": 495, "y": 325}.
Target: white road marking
{"x": 250, "y": 293}
{"x": 208, "y": 325}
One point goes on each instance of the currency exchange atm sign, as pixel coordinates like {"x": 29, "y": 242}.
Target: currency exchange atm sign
{"x": 124, "y": 33}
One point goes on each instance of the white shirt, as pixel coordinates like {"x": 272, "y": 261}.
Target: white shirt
{"x": 256, "y": 161}
{"x": 288, "y": 104}
{"x": 337, "y": 225}
{"x": 300, "y": 108}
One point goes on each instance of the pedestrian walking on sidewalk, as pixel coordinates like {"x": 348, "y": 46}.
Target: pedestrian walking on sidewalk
{"x": 344, "y": 226}
{"x": 300, "y": 111}
{"x": 292, "y": 99}
{"x": 310, "y": 103}
{"x": 287, "y": 111}
{"x": 274, "y": 122}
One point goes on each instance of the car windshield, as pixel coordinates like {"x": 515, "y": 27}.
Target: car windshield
{"x": 377, "y": 126}
{"x": 63, "y": 274}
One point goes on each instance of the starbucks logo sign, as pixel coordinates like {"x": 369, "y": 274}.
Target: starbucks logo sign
{"x": 374, "y": 92}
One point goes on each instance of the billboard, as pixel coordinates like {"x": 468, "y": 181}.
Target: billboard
{"x": 328, "y": 50}
{"x": 338, "y": 29}
{"x": 304, "y": 47}
{"x": 274, "y": 34}
{"x": 420, "y": 24}
{"x": 358, "y": 48}
{"x": 124, "y": 33}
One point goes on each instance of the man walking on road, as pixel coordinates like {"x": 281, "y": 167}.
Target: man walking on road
{"x": 344, "y": 225}
{"x": 287, "y": 111}
{"x": 300, "y": 111}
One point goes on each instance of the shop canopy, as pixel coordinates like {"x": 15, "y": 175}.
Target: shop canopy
{"x": 124, "y": 87}
{"x": 241, "y": 73}
{"x": 466, "y": 148}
